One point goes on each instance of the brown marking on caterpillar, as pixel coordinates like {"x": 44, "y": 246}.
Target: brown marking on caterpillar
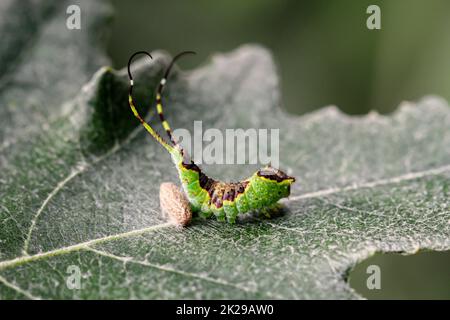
{"x": 274, "y": 174}
{"x": 191, "y": 166}
{"x": 229, "y": 192}
{"x": 217, "y": 191}
{"x": 221, "y": 191}
{"x": 175, "y": 204}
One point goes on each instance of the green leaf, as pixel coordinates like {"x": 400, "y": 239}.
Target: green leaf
{"x": 79, "y": 179}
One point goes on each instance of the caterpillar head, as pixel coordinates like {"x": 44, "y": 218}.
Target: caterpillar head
{"x": 276, "y": 180}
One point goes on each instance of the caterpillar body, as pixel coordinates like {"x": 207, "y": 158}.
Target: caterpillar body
{"x": 208, "y": 197}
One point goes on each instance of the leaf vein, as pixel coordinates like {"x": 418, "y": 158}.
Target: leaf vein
{"x": 371, "y": 184}
{"x": 18, "y": 289}
{"x": 167, "y": 269}
{"x": 317, "y": 194}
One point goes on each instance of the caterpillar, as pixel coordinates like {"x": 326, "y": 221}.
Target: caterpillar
{"x": 207, "y": 196}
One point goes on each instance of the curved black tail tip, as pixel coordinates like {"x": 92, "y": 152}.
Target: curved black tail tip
{"x": 131, "y": 59}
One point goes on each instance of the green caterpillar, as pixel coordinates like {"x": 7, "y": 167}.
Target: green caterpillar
{"x": 207, "y": 196}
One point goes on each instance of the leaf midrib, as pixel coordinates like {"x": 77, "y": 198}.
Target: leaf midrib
{"x": 317, "y": 194}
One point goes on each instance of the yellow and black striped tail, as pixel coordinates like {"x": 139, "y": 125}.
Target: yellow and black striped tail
{"x": 159, "y": 107}
{"x": 150, "y": 130}
{"x": 164, "y": 123}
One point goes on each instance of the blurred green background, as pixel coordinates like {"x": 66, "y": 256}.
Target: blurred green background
{"x": 325, "y": 55}
{"x": 324, "y": 51}
{"x": 425, "y": 275}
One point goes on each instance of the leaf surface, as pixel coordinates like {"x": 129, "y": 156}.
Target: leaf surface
{"x": 80, "y": 179}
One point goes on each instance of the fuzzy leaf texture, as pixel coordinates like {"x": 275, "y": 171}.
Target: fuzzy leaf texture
{"x": 79, "y": 178}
